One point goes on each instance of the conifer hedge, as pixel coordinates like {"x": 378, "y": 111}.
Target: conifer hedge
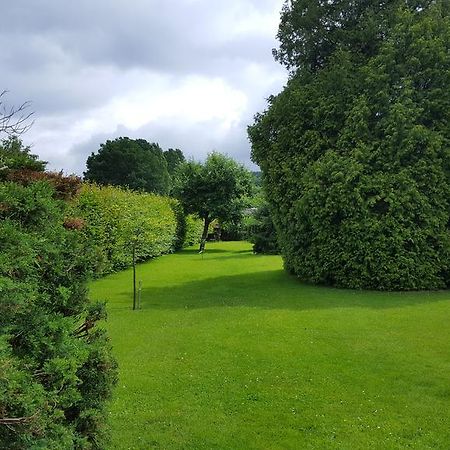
{"x": 355, "y": 151}
{"x": 56, "y": 369}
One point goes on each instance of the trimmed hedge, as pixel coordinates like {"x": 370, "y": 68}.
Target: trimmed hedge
{"x": 115, "y": 219}
{"x": 194, "y": 229}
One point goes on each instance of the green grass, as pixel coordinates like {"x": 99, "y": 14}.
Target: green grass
{"x": 230, "y": 352}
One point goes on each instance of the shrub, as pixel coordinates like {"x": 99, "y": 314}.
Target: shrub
{"x": 263, "y": 235}
{"x": 115, "y": 217}
{"x": 65, "y": 187}
{"x": 355, "y": 150}
{"x": 56, "y": 369}
{"x": 194, "y": 228}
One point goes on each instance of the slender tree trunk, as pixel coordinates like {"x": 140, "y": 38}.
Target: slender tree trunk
{"x": 134, "y": 277}
{"x": 204, "y": 235}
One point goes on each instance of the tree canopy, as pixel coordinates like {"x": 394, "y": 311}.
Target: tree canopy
{"x": 213, "y": 190}
{"x": 173, "y": 157}
{"x": 134, "y": 163}
{"x": 356, "y": 149}
{"x": 15, "y": 155}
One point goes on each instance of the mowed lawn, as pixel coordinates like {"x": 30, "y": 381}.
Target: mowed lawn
{"x": 230, "y": 352}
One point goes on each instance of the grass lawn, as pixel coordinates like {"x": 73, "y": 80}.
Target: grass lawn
{"x": 230, "y": 352}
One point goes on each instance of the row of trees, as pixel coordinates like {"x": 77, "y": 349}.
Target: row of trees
{"x": 218, "y": 189}
{"x": 355, "y": 151}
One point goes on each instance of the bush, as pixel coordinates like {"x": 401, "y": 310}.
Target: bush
{"x": 355, "y": 150}
{"x": 52, "y": 358}
{"x": 263, "y": 235}
{"x": 66, "y": 187}
{"x": 115, "y": 217}
{"x": 194, "y": 228}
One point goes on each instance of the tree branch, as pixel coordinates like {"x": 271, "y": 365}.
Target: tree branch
{"x": 14, "y": 121}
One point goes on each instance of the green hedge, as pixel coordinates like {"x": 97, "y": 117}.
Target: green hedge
{"x": 115, "y": 217}
{"x": 56, "y": 368}
{"x": 194, "y": 229}
{"x": 356, "y": 160}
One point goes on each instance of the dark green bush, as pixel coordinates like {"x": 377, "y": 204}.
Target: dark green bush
{"x": 56, "y": 371}
{"x": 356, "y": 150}
{"x": 262, "y": 233}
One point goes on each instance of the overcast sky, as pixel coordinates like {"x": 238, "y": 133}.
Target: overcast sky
{"x": 187, "y": 74}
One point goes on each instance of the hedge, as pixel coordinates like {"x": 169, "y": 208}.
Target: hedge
{"x": 356, "y": 155}
{"x": 115, "y": 219}
{"x": 56, "y": 368}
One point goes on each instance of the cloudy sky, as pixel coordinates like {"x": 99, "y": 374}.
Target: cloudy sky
{"x": 188, "y": 74}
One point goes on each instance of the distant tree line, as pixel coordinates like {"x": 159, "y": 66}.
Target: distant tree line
{"x": 134, "y": 163}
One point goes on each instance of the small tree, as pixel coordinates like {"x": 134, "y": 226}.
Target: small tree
{"x": 213, "y": 190}
{"x": 263, "y": 234}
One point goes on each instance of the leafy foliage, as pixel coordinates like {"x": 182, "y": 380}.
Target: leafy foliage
{"x": 65, "y": 187}
{"x": 213, "y": 190}
{"x": 48, "y": 371}
{"x": 132, "y": 163}
{"x": 311, "y": 32}
{"x": 15, "y": 155}
{"x": 174, "y": 157}
{"x": 355, "y": 153}
{"x": 114, "y": 217}
{"x": 263, "y": 234}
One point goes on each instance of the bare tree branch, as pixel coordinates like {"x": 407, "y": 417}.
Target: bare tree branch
{"x": 14, "y": 120}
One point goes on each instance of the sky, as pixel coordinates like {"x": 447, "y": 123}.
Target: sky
{"x": 188, "y": 74}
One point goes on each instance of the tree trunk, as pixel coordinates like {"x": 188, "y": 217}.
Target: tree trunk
{"x": 204, "y": 235}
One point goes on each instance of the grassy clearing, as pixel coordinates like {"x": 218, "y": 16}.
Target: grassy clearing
{"x": 230, "y": 352}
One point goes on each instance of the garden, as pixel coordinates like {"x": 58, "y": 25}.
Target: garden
{"x": 228, "y": 351}
{"x": 161, "y": 302}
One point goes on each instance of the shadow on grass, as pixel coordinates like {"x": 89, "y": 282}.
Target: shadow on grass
{"x": 194, "y": 251}
{"x": 274, "y": 290}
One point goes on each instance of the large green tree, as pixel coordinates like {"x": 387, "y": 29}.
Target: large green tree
{"x": 134, "y": 163}
{"x": 213, "y": 190}
{"x": 356, "y": 149}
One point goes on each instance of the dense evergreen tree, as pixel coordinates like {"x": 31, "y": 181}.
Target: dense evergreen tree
{"x": 263, "y": 234}
{"x": 134, "y": 163}
{"x": 356, "y": 149}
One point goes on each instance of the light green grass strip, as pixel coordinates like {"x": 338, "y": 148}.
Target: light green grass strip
{"x": 230, "y": 352}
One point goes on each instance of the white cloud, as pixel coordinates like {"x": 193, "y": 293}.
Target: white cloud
{"x": 186, "y": 73}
